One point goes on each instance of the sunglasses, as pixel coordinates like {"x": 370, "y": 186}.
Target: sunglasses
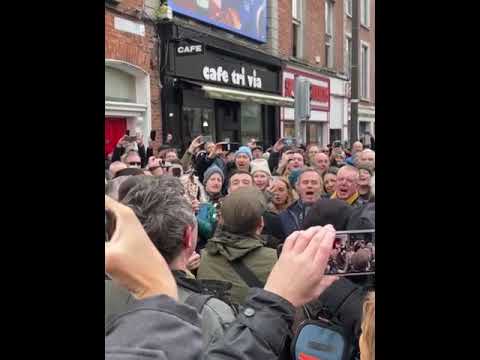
{"x": 325, "y": 151}
{"x": 133, "y": 163}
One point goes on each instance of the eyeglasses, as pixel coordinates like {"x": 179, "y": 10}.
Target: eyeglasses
{"x": 326, "y": 151}
{"x": 134, "y": 163}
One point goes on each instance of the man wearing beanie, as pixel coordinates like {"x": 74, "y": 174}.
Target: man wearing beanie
{"x": 243, "y": 157}
{"x": 237, "y": 245}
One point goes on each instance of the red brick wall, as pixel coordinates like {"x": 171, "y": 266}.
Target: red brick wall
{"x": 134, "y": 49}
{"x": 285, "y": 28}
{"x": 339, "y": 16}
{"x": 314, "y": 32}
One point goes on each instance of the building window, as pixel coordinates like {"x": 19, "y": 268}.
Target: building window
{"x": 364, "y": 73}
{"x": 288, "y": 129}
{"x": 251, "y": 122}
{"x": 348, "y": 56}
{"x": 365, "y": 12}
{"x": 348, "y": 7}
{"x": 335, "y": 135}
{"x": 329, "y": 34}
{"x": 297, "y": 28}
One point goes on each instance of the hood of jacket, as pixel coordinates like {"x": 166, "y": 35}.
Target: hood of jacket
{"x": 233, "y": 246}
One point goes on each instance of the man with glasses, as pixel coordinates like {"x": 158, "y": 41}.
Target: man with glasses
{"x": 133, "y": 160}
{"x": 346, "y": 187}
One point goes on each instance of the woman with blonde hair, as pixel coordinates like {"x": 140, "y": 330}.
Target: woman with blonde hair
{"x": 282, "y": 194}
{"x": 367, "y": 338}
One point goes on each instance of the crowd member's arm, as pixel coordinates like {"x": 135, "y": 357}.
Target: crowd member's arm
{"x": 187, "y": 156}
{"x": 205, "y": 161}
{"x": 141, "y": 152}
{"x": 151, "y": 329}
{"x": 149, "y": 150}
{"x": 119, "y": 149}
{"x": 275, "y": 155}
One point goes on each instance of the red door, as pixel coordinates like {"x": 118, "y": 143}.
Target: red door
{"x": 114, "y": 129}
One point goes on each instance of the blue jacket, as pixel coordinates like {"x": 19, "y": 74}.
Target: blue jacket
{"x": 292, "y": 218}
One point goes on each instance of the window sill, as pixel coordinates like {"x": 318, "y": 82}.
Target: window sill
{"x": 366, "y": 27}
{"x": 348, "y": 15}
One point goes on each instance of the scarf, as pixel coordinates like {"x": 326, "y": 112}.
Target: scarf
{"x": 350, "y": 200}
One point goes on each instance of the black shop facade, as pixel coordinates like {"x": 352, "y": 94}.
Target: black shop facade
{"x": 218, "y": 89}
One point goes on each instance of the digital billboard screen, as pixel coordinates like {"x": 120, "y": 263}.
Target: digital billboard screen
{"x": 245, "y": 17}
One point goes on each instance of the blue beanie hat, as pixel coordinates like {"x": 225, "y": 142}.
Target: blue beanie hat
{"x": 293, "y": 177}
{"x": 244, "y": 150}
{"x": 210, "y": 171}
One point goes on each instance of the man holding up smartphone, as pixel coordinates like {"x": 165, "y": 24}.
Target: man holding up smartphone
{"x": 123, "y": 145}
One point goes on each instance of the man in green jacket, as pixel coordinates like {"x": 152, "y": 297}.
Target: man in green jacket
{"x": 238, "y": 241}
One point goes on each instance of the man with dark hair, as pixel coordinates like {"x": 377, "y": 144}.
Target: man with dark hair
{"x": 239, "y": 179}
{"x": 169, "y": 222}
{"x": 129, "y": 172}
{"x": 309, "y": 187}
{"x": 237, "y": 247}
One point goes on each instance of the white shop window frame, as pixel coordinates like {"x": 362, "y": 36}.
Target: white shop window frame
{"x": 365, "y": 12}
{"x": 138, "y": 114}
{"x": 369, "y": 56}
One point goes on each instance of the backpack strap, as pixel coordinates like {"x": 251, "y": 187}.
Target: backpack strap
{"x": 246, "y": 274}
{"x": 198, "y": 301}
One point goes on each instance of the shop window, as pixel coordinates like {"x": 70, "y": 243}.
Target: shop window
{"x": 289, "y": 129}
{"x": 198, "y": 121}
{"x": 335, "y": 135}
{"x": 315, "y": 133}
{"x": 251, "y": 122}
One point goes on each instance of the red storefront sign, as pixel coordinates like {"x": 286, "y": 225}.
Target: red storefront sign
{"x": 319, "y": 88}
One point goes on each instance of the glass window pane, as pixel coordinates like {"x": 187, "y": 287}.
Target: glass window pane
{"x": 289, "y": 129}
{"x": 251, "y": 122}
{"x": 119, "y": 86}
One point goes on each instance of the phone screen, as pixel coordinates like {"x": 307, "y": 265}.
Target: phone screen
{"x": 353, "y": 253}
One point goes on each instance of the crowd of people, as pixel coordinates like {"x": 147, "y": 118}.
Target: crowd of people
{"x": 226, "y": 221}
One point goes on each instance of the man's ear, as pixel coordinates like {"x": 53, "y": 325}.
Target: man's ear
{"x": 188, "y": 238}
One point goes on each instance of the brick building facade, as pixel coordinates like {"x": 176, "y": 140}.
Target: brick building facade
{"x": 303, "y": 37}
{"x": 132, "y": 91}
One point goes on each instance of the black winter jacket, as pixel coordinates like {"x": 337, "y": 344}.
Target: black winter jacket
{"x": 160, "y": 328}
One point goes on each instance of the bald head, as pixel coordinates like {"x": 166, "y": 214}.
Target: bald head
{"x": 321, "y": 162}
{"x": 347, "y": 182}
{"x": 115, "y": 167}
{"x": 357, "y": 147}
{"x": 367, "y": 158}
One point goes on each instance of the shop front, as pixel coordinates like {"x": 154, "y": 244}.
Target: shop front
{"x": 316, "y": 129}
{"x": 220, "y": 90}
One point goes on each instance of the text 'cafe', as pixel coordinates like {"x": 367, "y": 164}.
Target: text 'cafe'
{"x": 216, "y": 88}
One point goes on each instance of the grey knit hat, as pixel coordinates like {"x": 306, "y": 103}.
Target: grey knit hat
{"x": 214, "y": 169}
